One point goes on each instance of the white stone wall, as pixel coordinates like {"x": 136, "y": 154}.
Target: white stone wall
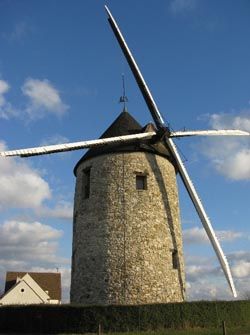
{"x": 123, "y": 238}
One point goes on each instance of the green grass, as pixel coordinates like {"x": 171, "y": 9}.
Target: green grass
{"x": 180, "y": 332}
{"x": 194, "y": 331}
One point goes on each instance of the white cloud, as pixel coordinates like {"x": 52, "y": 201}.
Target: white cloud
{"x": 206, "y": 289}
{"x": 231, "y": 120}
{"x": 240, "y": 265}
{"x": 30, "y": 246}
{"x": 33, "y": 243}
{"x": 195, "y": 236}
{"x": 66, "y": 280}
{"x": 230, "y": 156}
{"x": 198, "y": 235}
{"x": 239, "y": 255}
{"x": 236, "y": 166}
{"x": 205, "y": 279}
{"x": 4, "y": 87}
{"x": 21, "y": 186}
{"x": 179, "y": 6}
{"x": 241, "y": 269}
{"x": 24, "y": 233}
{"x": 43, "y": 98}
{"x": 6, "y": 109}
{"x": 229, "y": 235}
{"x": 197, "y": 271}
{"x": 63, "y": 210}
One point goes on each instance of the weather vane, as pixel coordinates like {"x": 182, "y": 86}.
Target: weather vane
{"x": 123, "y": 99}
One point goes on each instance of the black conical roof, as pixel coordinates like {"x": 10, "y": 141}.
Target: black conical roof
{"x": 124, "y": 124}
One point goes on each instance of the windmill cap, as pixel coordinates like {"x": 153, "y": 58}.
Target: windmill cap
{"x": 125, "y": 124}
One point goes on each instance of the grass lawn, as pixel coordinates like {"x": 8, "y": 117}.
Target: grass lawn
{"x": 194, "y": 331}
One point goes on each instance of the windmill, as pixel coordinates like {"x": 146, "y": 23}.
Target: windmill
{"x": 158, "y": 134}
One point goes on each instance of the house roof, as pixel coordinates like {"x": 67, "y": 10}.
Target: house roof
{"x": 48, "y": 281}
{"x": 125, "y": 124}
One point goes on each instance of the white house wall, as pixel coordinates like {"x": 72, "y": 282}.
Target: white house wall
{"x": 21, "y": 294}
{"x": 33, "y": 284}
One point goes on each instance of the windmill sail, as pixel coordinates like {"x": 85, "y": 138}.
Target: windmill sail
{"x": 170, "y": 145}
{"x": 220, "y": 132}
{"x": 202, "y": 214}
{"x": 44, "y": 150}
{"x": 136, "y": 72}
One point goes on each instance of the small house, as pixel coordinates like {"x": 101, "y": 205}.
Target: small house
{"x": 24, "y": 288}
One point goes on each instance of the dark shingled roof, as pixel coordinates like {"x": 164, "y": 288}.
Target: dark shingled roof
{"x": 125, "y": 124}
{"x": 48, "y": 281}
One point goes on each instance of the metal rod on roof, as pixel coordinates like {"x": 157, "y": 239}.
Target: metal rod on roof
{"x": 123, "y": 98}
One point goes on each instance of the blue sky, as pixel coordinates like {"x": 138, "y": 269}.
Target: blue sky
{"x": 60, "y": 80}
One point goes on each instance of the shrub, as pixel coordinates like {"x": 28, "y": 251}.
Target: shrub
{"x": 85, "y": 319}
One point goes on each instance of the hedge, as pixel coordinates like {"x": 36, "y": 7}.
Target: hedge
{"x": 86, "y": 319}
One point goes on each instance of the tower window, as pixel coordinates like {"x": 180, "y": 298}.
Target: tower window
{"x": 86, "y": 183}
{"x": 175, "y": 259}
{"x": 141, "y": 182}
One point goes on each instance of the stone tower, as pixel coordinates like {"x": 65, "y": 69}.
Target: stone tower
{"x": 127, "y": 240}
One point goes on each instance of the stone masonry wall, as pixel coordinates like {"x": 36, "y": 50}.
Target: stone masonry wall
{"x": 123, "y": 238}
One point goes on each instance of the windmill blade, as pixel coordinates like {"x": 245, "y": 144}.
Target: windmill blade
{"x": 202, "y": 214}
{"x": 137, "y": 73}
{"x": 226, "y": 132}
{"x": 171, "y": 146}
{"x": 76, "y": 145}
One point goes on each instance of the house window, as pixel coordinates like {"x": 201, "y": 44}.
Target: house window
{"x": 175, "y": 259}
{"x": 86, "y": 183}
{"x": 141, "y": 182}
